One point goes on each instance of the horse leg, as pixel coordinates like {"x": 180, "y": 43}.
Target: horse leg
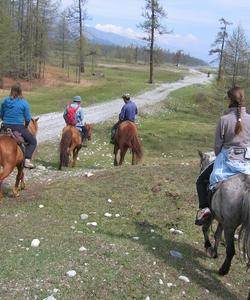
{"x": 217, "y": 237}
{"x": 230, "y": 250}
{"x": 19, "y": 177}
{"x": 207, "y": 244}
{"x": 75, "y": 154}
{"x": 122, "y": 154}
{"x": 116, "y": 148}
{"x": 133, "y": 158}
{"x": 7, "y": 169}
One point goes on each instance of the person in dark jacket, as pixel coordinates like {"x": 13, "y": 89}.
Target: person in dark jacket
{"x": 15, "y": 113}
{"x": 128, "y": 113}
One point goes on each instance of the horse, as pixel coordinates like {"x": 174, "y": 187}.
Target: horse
{"x": 71, "y": 143}
{"x": 230, "y": 206}
{"x": 126, "y": 138}
{"x": 11, "y": 156}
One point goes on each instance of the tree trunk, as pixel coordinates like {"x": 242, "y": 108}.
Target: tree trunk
{"x": 82, "y": 69}
{"x": 151, "y": 54}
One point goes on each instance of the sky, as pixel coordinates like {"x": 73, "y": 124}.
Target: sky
{"x": 194, "y": 23}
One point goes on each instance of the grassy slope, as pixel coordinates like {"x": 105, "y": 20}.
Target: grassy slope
{"x": 115, "y": 266}
{"x": 116, "y": 81}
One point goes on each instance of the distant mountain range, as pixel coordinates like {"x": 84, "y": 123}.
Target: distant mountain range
{"x": 109, "y": 38}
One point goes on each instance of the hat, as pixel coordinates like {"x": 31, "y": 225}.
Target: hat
{"x": 77, "y": 99}
{"x": 126, "y": 96}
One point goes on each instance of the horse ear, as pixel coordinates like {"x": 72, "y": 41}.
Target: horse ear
{"x": 36, "y": 119}
{"x": 200, "y": 154}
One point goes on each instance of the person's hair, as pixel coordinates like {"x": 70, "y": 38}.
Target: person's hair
{"x": 237, "y": 99}
{"x": 16, "y": 91}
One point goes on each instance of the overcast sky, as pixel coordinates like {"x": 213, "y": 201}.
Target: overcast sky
{"x": 194, "y": 23}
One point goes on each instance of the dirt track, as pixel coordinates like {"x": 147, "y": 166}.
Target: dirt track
{"x": 50, "y": 125}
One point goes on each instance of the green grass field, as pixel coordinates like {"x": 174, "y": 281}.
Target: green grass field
{"x": 150, "y": 198}
{"x": 117, "y": 80}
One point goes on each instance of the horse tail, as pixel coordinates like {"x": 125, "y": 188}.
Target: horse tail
{"x": 64, "y": 146}
{"x": 137, "y": 147}
{"x": 244, "y": 234}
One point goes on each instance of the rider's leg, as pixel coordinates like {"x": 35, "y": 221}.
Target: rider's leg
{"x": 113, "y": 132}
{"x": 202, "y": 191}
{"x": 30, "y": 147}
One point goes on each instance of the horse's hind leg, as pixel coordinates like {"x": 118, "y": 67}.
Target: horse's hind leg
{"x": 115, "y": 153}
{"x": 230, "y": 250}
{"x": 75, "y": 153}
{"x": 7, "y": 169}
{"x": 122, "y": 154}
{"x": 134, "y": 162}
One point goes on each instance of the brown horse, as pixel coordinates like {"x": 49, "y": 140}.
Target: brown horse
{"x": 12, "y": 156}
{"x": 71, "y": 143}
{"x": 126, "y": 138}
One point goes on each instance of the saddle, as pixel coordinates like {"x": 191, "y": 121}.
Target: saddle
{"x": 16, "y": 136}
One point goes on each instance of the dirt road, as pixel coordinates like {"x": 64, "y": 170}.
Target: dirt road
{"x": 50, "y": 125}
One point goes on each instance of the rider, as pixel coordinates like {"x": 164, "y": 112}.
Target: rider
{"x": 73, "y": 115}
{"x": 233, "y": 131}
{"x": 128, "y": 113}
{"x": 15, "y": 113}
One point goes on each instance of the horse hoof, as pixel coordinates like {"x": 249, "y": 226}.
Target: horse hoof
{"x": 23, "y": 186}
{"x": 15, "y": 192}
{"x": 223, "y": 272}
{"x": 210, "y": 252}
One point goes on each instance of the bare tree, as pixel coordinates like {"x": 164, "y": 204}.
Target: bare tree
{"x": 153, "y": 13}
{"x": 219, "y": 44}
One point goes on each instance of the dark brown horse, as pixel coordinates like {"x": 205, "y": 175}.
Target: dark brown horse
{"x": 71, "y": 143}
{"x": 12, "y": 156}
{"x": 126, "y": 138}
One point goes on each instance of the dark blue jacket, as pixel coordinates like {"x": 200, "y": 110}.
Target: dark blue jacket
{"x": 128, "y": 112}
{"x": 15, "y": 111}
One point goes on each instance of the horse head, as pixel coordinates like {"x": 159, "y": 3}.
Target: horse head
{"x": 33, "y": 126}
{"x": 206, "y": 159}
{"x": 89, "y": 128}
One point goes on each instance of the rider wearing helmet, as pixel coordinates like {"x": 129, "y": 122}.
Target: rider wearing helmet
{"x": 128, "y": 113}
{"x": 73, "y": 115}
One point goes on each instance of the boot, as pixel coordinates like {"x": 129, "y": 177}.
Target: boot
{"x": 28, "y": 164}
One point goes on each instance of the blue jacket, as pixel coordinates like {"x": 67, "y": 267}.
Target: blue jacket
{"x": 15, "y": 111}
{"x": 79, "y": 114}
{"x": 128, "y": 112}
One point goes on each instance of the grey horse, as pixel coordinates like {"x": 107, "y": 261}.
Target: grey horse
{"x": 230, "y": 206}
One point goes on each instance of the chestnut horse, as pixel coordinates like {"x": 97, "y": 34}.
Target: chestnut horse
{"x": 71, "y": 143}
{"x": 126, "y": 138}
{"x": 12, "y": 156}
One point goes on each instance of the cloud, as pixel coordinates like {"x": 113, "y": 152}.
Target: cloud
{"x": 127, "y": 32}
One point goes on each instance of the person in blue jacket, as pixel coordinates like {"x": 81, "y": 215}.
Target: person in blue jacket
{"x": 128, "y": 113}
{"x": 15, "y": 113}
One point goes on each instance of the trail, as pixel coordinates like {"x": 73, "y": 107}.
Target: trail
{"x": 50, "y": 125}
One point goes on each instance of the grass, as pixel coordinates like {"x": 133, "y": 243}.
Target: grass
{"x": 116, "y": 266}
{"x": 116, "y": 81}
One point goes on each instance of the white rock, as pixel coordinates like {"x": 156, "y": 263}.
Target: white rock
{"x": 84, "y": 217}
{"x": 136, "y": 238}
{"x": 169, "y": 284}
{"x": 108, "y": 215}
{"x": 117, "y": 215}
{"x": 152, "y": 230}
{"x": 81, "y": 249}
{"x": 55, "y": 290}
{"x": 40, "y": 167}
{"x": 41, "y": 206}
{"x": 184, "y": 278}
{"x": 71, "y": 273}
{"x": 51, "y": 297}
{"x": 160, "y": 281}
{"x": 175, "y": 253}
{"x": 92, "y": 223}
{"x": 35, "y": 243}
{"x": 147, "y": 298}
{"x": 109, "y": 200}
{"x": 88, "y": 174}
{"x": 175, "y": 231}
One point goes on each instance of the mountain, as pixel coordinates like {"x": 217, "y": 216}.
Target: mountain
{"x": 108, "y": 38}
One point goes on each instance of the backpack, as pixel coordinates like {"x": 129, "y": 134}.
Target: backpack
{"x": 71, "y": 115}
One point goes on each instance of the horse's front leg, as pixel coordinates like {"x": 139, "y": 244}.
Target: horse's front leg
{"x": 134, "y": 162}
{"x": 19, "y": 177}
{"x": 75, "y": 154}
{"x": 230, "y": 250}
{"x": 122, "y": 154}
{"x": 207, "y": 244}
{"x": 116, "y": 148}
{"x": 217, "y": 238}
